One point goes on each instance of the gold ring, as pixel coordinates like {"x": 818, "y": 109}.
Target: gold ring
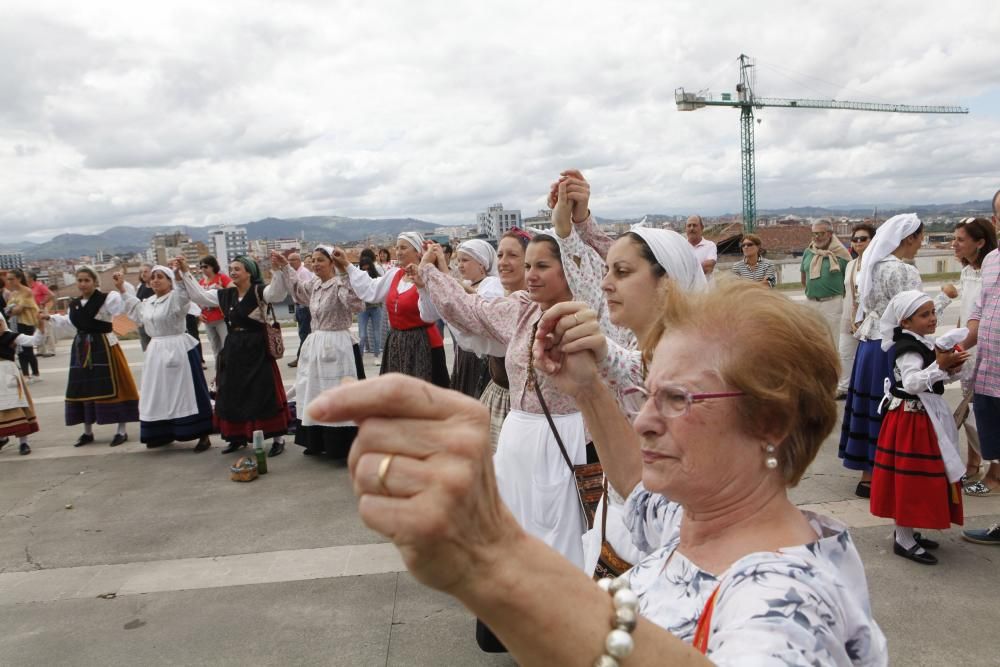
{"x": 383, "y": 471}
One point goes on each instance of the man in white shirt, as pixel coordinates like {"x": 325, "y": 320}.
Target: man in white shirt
{"x": 302, "y": 314}
{"x": 704, "y": 250}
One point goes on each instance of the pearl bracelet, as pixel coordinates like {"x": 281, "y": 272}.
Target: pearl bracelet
{"x": 619, "y": 643}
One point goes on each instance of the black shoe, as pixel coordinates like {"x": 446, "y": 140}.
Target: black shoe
{"x": 277, "y": 447}
{"x": 203, "y": 444}
{"x": 925, "y": 542}
{"x": 84, "y": 439}
{"x": 233, "y": 447}
{"x": 312, "y": 452}
{"x": 924, "y": 558}
{"x": 293, "y": 364}
{"x": 3, "y": 441}
{"x": 863, "y": 490}
{"x": 119, "y": 439}
{"x": 25, "y": 449}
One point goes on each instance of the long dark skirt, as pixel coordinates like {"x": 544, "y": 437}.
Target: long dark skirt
{"x": 335, "y": 441}
{"x": 181, "y": 429}
{"x": 470, "y": 373}
{"x": 862, "y": 422}
{"x": 110, "y": 380}
{"x": 410, "y": 352}
{"x": 251, "y": 395}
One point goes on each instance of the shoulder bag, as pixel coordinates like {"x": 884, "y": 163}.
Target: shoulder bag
{"x": 272, "y": 330}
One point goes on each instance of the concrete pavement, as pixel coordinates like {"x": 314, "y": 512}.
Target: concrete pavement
{"x": 161, "y": 560}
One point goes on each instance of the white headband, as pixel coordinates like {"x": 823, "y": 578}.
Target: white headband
{"x": 673, "y": 252}
{"x": 415, "y": 239}
{"x": 482, "y": 252}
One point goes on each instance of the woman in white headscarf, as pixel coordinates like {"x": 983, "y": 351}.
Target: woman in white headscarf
{"x": 477, "y": 264}
{"x": 328, "y": 354}
{"x": 174, "y": 404}
{"x": 884, "y": 274}
{"x": 414, "y": 346}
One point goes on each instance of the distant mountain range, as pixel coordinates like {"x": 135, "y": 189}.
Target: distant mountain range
{"x": 339, "y": 229}
{"x": 127, "y": 240}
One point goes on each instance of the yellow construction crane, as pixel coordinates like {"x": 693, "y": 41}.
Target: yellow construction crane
{"x": 746, "y": 102}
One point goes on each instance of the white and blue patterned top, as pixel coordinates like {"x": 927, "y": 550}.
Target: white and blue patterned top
{"x": 805, "y": 605}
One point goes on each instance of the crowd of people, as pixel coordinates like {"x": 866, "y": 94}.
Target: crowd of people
{"x": 613, "y": 416}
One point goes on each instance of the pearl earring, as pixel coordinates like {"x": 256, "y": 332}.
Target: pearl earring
{"x": 771, "y": 461}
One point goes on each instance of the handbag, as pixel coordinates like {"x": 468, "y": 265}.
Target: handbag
{"x": 609, "y": 563}
{"x": 272, "y": 330}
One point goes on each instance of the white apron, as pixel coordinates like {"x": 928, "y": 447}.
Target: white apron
{"x": 535, "y": 483}
{"x": 167, "y": 389}
{"x": 326, "y": 358}
{"x": 13, "y": 393}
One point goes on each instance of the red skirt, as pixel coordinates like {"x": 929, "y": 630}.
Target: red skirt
{"x": 909, "y": 483}
{"x": 275, "y": 425}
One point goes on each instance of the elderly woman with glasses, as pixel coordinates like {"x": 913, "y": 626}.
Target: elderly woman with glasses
{"x": 736, "y": 574}
{"x": 861, "y": 236}
{"x": 753, "y": 266}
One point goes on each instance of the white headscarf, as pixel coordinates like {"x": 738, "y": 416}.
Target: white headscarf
{"x": 482, "y": 252}
{"x": 887, "y": 238}
{"x": 328, "y": 249}
{"x": 674, "y": 254}
{"x": 415, "y": 239}
{"x": 901, "y": 306}
{"x": 166, "y": 270}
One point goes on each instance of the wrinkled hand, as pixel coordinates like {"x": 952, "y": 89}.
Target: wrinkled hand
{"x": 950, "y": 291}
{"x": 439, "y": 504}
{"x": 413, "y": 275}
{"x": 567, "y": 346}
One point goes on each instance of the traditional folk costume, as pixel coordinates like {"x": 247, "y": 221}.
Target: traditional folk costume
{"x": 414, "y": 346}
{"x": 328, "y": 354}
{"x": 174, "y": 404}
{"x": 883, "y": 275}
{"x": 17, "y": 412}
{"x": 251, "y": 395}
{"x": 917, "y": 465}
{"x": 100, "y": 388}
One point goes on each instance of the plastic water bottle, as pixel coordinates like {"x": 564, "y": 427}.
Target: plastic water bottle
{"x": 258, "y": 450}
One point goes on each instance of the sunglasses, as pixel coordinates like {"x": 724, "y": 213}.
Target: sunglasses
{"x": 671, "y": 400}
{"x": 860, "y": 239}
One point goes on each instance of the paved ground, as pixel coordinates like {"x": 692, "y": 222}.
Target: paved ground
{"x": 129, "y": 556}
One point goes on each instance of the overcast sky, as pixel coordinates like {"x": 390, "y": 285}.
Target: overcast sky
{"x": 204, "y": 113}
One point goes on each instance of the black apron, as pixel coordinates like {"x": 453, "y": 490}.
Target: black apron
{"x": 90, "y": 376}
{"x": 246, "y": 389}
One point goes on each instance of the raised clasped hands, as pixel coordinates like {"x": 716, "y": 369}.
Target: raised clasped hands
{"x": 278, "y": 261}
{"x": 412, "y": 272}
{"x": 340, "y": 260}
{"x": 567, "y": 346}
{"x": 577, "y": 192}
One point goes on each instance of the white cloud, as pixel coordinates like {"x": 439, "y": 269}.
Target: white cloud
{"x": 203, "y": 113}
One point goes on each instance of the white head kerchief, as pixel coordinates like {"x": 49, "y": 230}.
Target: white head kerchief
{"x": 887, "y": 238}
{"x": 482, "y": 252}
{"x": 415, "y": 239}
{"x": 167, "y": 271}
{"x": 674, "y": 254}
{"x": 901, "y": 306}
{"x": 328, "y": 249}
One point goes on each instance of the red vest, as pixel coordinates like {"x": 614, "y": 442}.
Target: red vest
{"x": 404, "y": 311}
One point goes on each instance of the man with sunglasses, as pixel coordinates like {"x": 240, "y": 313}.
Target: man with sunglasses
{"x": 822, "y": 269}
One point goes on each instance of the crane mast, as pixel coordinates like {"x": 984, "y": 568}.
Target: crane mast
{"x": 746, "y": 102}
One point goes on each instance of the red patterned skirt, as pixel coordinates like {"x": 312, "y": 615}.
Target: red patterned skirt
{"x": 909, "y": 483}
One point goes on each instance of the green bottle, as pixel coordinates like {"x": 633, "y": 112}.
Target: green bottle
{"x": 258, "y": 450}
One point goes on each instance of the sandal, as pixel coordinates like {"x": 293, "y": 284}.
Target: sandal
{"x": 972, "y": 475}
{"x": 978, "y": 489}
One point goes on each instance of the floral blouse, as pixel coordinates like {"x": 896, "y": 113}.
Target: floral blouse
{"x": 332, "y": 303}
{"x": 890, "y": 277}
{"x": 804, "y": 605}
{"x": 509, "y": 321}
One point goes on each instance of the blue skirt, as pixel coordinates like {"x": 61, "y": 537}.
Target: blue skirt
{"x": 862, "y": 422}
{"x": 181, "y": 429}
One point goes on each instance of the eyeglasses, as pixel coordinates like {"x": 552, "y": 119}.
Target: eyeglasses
{"x": 822, "y": 233}
{"x": 671, "y": 400}
{"x": 747, "y": 245}
{"x": 860, "y": 239}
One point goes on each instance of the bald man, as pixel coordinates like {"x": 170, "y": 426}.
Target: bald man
{"x": 705, "y": 250}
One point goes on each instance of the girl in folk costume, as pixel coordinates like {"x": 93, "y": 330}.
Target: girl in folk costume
{"x": 414, "y": 346}
{"x": 100, "y": 387}
{"x": 884, "y": 274}
{"x": 17, "y": 412}
{"x": 917, "y": 465}
{"x": 477, "y": 263}
{"x": 533, "y": 477}
{"x": 251, "y": 396}
{"x": 174, "y": 404}
{"x": 328, "y": 354}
